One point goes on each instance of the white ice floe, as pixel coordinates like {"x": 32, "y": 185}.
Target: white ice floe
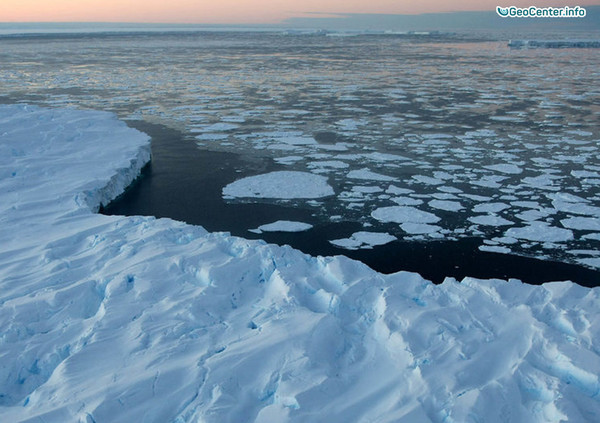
{"x": 575, "y": 208}
{"x": 495, "y": 249}
{"x": 366, "y": 174}
{"x": 582, "y": 223}
{"x": 541, "y": 232}
{"x": 428, "y": 180}
{"x": 282, "y": 226}
{"x": 406, "y": 201}
{"x": 363, "y": 239}
{"x": 129, "y": 319}
{"x": 490, "y": 207}
{"x": 403, "y": 214}
{"x": 420, "y": 228}
{"x": 490, "y": 220}
{"x": 447, "y": 205}
{"x": 281, "y": 184}
{"x": 508, "y": 168}
{"x": 295, "y": 140}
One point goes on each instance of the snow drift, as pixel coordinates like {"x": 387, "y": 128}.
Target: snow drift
{"x": 121, "y": 319}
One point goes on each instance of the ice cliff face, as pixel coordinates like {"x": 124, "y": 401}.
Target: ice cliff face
{"x": 121, "y": 319}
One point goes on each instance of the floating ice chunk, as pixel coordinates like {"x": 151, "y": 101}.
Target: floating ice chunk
{"x": 288, "y": 160}
{"x": 283, "y": 226}
{"x": 590, "y": 261}
{"x": 541, "y": 232}
{"x": 331, "y": 164}
{"x": 490, "y": 207}
{"x": 406, "y": 201}
{"x": 366, "y": 174}
{"x": 294, "y": 140}
{"x": 447, "y": 205}
{"x": 364, "y": 240}
{"x": 505, "y": 168}
{"x": 428, "y": 180}
{"x": 350, "y": 124}
{"x": 450, "y": 190}
{"x": 476, "y": 197}
{"x": 420, "y": 228}
{"x": 576, "y": 208}
{"x": 211, "y": 137}
{"x": 220, "y": 127}
{"x": 566, "y": 197}
{"x": 582, "y": 223}
{"x": 495, "y": 249}
{"x": 281, "y": 184}
{"x": 531, "y": 215}
{"x": 490, "y": 220}
{"x": 385, "y": 157}
{"x": 544, "y": 181}
{"x": 490, "y": 181}
{"x": 526, "y": 204}
{"x": 403, "y": 214}
{"x": 392, "y": 189}
{"x": 505, "y": 240}
{"x": 366, "y": 189}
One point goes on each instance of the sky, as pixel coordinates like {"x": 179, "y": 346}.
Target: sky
{"x": 236, "y": 11}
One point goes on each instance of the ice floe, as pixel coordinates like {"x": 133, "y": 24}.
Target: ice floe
{"x": 363, "y": 239}
{"x": 403, "y": 214}
{"x": 540, "y": 231}
{"x": 282, "y": 226}
{"x": 281, "y": 184}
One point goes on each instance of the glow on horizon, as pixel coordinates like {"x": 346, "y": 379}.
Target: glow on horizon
{"x": 234, "y": 11}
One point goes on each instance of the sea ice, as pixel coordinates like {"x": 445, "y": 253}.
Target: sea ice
{"x": 490, "y": 207}
{"x": 489, "y": 220}
{"x": 447, "y": 205}
{"x": 282, "y": 226}
{"x": 281, "y": 184}
{"x": 541, "y": 232}
{"x": 403, "y": 214}
{"x": 420, "y": 228}
{"x": 363, "y": 239}
{"x": 582, "y": 223}
{"x": 366, "y": 174}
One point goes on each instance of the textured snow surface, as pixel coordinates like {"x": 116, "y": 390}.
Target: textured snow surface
{"x": 131, "y": 319}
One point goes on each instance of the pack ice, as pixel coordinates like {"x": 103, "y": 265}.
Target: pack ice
{"x": 138, "y": 319}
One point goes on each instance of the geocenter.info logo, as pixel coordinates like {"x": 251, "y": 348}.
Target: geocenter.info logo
{"x": 541, "y": 12}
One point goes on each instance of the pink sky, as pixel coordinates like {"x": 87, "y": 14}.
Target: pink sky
{"x": 233, "y": 11}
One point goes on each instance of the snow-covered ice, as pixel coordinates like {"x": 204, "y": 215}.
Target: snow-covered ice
{"x": 363, "y": 239}
{"x": 283, "y": 226}
{"x": 403, "y": 214}
{"x": 540, "y": 231}
{"x": 121, "y": 319}
{"x": 281, "y": 184}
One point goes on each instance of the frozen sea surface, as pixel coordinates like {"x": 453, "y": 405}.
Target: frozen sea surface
{"x": 120, "y": 319}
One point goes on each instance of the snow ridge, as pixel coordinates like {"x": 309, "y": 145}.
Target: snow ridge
{"x": 120, "y": 319}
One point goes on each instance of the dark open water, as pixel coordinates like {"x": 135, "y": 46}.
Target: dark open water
{"x": 184, "y": 183}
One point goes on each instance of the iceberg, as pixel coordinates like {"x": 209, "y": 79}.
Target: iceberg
{"x": 121, "y": 319}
